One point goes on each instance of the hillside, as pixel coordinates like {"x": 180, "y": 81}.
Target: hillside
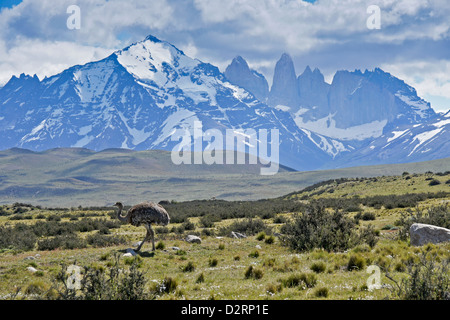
{"x": 73, "y": 177}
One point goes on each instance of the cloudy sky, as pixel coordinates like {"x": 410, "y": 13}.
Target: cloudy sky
{"x": 413, "y": 42}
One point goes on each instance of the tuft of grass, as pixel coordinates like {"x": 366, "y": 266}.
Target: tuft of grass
{"x": 189, "y": 267}
{"x": 160, "y": 245}
{"x": 270, "y": 240}
{"x": 254, "y": 273}
{"x": 321, "y": 292}
{"x": 261, "y": 236}
{"x": 254, "y": 254}
{"x": 356, "y": 262}
{"x": 212, "y": 262}
{"x": 318, "y": 267}
{"x": 200, "y": 278}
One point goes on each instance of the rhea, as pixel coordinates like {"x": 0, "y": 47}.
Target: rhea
{"x": 146, "y": 214}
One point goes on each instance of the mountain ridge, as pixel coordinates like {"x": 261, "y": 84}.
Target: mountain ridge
{"x": 138, "y": 97}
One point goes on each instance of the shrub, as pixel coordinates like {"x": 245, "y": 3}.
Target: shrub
{"x": 101, "y": 240}
{"x": 434, "y": 182}
{"x": 62, "y": 242}
{"x": 248, "y": 226}
{"x": 436, "y": 215}
{"x": 98, "y": 284}
{"x": 427, "y": 280}
{"x": 366, "y": 216}
{"x": 318, "y": 267}
{"x": 316, "y": 228}
{"x": 17, "y": 237}
{"x": 281, "y": 219}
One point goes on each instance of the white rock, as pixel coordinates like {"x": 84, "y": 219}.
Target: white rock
{"x": 421, "y": 234}
{"x": 131, "y": 252}
{"x": 31, "y": 269}
{"x": 193, "y": 239}
{"x": 258, "y": 246}
{"x": 127, "y": 255}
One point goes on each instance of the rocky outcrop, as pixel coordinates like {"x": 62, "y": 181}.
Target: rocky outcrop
{"x": 239, "y": 73}
{"x": 284, "y": 87}
{"x": 313, "y": 91}
{"x": 421, "y": 234}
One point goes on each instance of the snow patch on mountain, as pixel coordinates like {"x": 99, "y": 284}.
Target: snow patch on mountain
{"x": 327, "y": 126}
{"x": 424, "y": 138}
{"x": 181, "y": 119}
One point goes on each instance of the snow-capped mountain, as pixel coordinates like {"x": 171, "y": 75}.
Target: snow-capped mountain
{"x": 136, "y": 98}
{"x": 366, "y": 110}
{"x": 420, "y": 142}
{"x": 139, "y": 97}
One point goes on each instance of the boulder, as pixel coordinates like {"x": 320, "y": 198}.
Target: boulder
{"x": 193, "y": 239}
{"x": 31, "y": 269}
{"x": 421, "y": 234}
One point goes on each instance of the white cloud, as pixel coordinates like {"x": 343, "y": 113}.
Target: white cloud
{"x": 44, "y": 58}
{"x": 430, "y": 79}
{"x": 34, "y": 37}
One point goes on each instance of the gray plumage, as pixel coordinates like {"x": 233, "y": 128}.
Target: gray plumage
{"x": 145, "y": 214}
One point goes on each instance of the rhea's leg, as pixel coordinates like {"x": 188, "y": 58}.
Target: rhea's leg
{"x": 152, "y": 233}
{"x": 145, "y": 239}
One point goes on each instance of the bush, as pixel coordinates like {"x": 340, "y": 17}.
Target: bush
{"x": 248, "y": 227}
{"x": 316, "y": 228}
{"x": 427, "y": 280}
{"x": 97, "y": 284}
{"x": 434, "y": 182}
{"x": 17, "y": 237}
{"x": 436, "y": 215}
{"x": 100, "y": 240}
{"x": 62, "y": 242}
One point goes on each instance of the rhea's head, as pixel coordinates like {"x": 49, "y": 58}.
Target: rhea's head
{"x": 118, "y": 205}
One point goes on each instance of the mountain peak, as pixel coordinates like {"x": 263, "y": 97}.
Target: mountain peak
{"x": 239, "y": 73}
{"x": 152, "y": 38}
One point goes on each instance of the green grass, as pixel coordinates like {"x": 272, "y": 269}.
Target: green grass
{"x": 224, "y": 267}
